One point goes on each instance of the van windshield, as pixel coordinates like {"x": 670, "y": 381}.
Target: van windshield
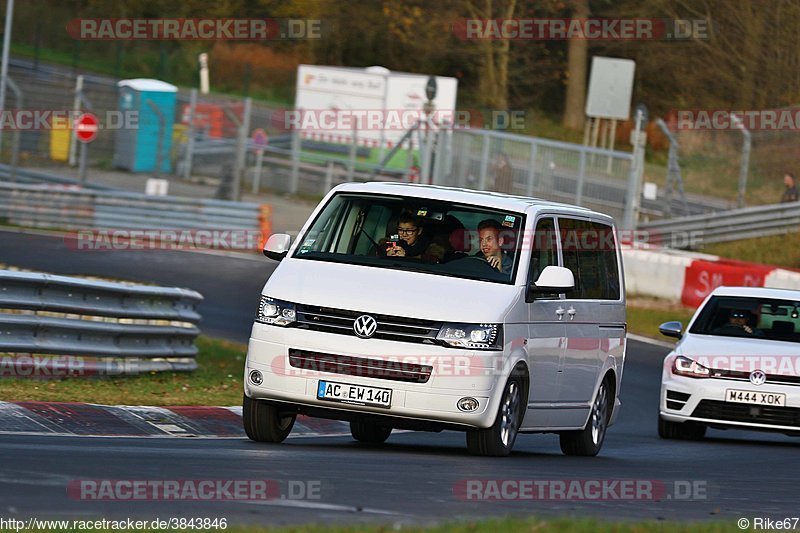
{"x": 418, "y": 235}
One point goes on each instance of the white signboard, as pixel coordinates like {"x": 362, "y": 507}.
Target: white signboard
{"x": 381, "y": 105}
{"x": 610, "y": 88}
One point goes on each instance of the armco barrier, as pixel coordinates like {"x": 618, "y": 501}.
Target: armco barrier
{"x": 689, "y": 277}
{"x": 74, "y": 208}
{"x": 131, "y": 328}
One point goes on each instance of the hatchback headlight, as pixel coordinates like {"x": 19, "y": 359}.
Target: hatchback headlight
{"x": 275, "y": 312}
{"x": 472, "y": 336}
{"x": 683, "y": 366}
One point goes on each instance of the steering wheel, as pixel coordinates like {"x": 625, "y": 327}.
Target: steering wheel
{"x": 477, "y": 258}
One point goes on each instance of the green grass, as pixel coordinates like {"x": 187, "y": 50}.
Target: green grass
{"x": 779, "y": 250}
{"x": 527, "y": 525}
{"x": 218, "y": 381}
{"x": 645, "y": 315}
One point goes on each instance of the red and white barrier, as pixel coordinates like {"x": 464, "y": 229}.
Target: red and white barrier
{"x": 688, "y": 277}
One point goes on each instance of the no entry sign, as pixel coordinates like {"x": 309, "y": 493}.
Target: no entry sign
{"x": 86, "y": 127}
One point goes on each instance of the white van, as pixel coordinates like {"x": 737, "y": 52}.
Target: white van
{"x": 431, "y": 308}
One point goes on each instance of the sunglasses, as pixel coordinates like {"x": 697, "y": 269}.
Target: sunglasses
{"x": 737, "y": 314}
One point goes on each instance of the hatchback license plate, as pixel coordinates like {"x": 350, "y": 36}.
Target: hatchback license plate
{"x": 354, "y": 394}
{"x": 755, "y": 398}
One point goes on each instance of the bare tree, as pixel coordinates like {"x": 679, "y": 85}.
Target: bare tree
{"x": 577, "y": 57}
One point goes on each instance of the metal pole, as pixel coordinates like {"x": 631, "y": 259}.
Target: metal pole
{"x": 76, "y": 107}
{"x": 631, "y": 199}
{"x": 15, "y": 143}
{"x": 189, "y": 156}
{"x": 581, "y": 178}
{"x": 611, "y": 143}
{"x": 484, "y": 162}
{"x": 532, "y": 167}
{"x": 4, "y": 65}
{"x": 257, "y": 171}
{"x": 241, "y": 150}
{"x": 745, "y": 163}
{"x": 294, "y": 176}
{"x": 351, "y": 163}
{"x": 82, "y": 166}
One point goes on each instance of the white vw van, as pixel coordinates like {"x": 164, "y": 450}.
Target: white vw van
{"x": 431, "y": 308}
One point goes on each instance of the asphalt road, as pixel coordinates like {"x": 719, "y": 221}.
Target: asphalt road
{"x": 412, "y": 477}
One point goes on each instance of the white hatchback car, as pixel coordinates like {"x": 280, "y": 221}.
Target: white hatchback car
{"x": 737, "y": 365}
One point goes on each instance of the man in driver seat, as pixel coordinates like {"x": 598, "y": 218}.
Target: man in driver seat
{"x": 491, "y": 244}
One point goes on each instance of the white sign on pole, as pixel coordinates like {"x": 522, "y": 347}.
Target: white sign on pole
{"x": 610, "y": 88}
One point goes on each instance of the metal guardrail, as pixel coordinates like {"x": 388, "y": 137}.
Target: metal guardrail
{"x": 66, "y": 208}
{"x": 730, "y": 225}
{"x": 130, "y": 328}
{"x": 25, "y": 176}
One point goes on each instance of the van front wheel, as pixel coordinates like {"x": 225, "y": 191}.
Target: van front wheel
{"x": 264, "y": 422}
{"x": 498, "y": 440}
{"x": 589, "y": 440}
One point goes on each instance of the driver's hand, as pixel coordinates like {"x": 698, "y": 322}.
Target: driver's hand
{"x": 494, "y": 261}
{"x": 400, "y": 251}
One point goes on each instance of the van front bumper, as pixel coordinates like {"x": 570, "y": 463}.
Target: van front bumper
{"x": 456, "y": 374}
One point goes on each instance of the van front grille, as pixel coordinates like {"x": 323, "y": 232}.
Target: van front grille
{"x": 392, "y": 328}
{"x": 360, "y": 366}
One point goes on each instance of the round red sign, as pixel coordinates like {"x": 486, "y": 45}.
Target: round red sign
{"x": 86, "y": 127}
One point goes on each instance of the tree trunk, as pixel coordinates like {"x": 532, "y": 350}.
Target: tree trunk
{"x": 577, "y": 57}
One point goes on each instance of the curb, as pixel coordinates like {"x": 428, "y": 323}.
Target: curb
{"x": 91, "y": 420}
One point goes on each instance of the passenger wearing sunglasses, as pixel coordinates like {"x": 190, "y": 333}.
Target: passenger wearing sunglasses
{"x": 739, "y": 323}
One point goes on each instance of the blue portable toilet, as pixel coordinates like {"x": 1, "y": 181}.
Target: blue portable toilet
{"x": 139, "y": 148}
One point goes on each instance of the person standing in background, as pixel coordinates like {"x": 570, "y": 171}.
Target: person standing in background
{"x": 790, "y": 193}
{"x": 502, "y": 173}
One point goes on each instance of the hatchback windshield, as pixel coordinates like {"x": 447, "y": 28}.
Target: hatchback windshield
{"x": 760, "y": 318}
{"x": 414, "y": 234}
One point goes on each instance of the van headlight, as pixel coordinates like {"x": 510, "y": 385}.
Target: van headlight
{"x": 275, "y": 312}
{"x": 472, "y": 336}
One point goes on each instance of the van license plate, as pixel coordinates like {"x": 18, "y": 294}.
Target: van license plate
{"x": 756, "y": 398}
{"x": 354, "y": 394}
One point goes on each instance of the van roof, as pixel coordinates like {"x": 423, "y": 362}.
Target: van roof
{"x": 468, "y": 196}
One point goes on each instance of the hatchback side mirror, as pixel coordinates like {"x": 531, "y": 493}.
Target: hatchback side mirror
{"x": 671, "y": 329}
{"x": 277, "y": 246}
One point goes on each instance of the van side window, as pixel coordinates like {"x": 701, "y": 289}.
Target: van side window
{"x": 543, "y": 250}
{"x": 590, "y": 251}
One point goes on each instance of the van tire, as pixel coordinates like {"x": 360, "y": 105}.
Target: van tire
{"x": 369, "y": 433}
{"x": 263, "y": 422}
{"x": 498, "y": 440}
{"x": 589, "y": 440}
{"x": 680, "y": 430}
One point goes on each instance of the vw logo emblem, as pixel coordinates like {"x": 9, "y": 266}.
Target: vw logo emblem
{"x": 758, "y": 377}
{"x": 365, "y": 326}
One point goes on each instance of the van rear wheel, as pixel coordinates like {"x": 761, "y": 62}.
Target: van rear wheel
{"x": 263, "y": 422}
{"x": 369, "y": 433}
{"x": 589, "y": 440}
{"x": 498, "y": 440}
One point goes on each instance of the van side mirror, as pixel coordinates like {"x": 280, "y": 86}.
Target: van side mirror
{"x": 671, "y": 329}
{"x": 277, "y": 246}
{"x": 552, "y": 280}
